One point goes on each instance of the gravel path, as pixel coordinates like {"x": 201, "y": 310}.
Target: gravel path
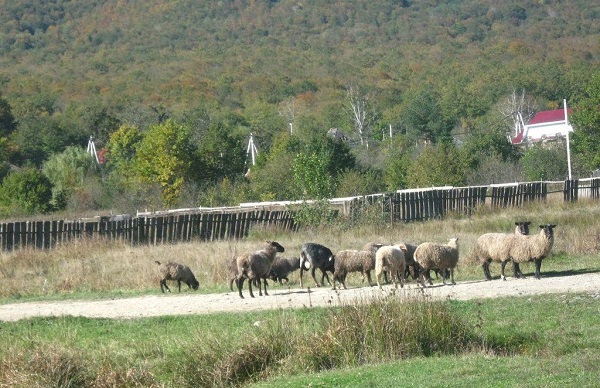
{"x": 283, "y": 297}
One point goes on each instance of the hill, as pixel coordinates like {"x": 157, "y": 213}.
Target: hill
{"x": 428, "y": 70}
{"x": 185, "y": 54}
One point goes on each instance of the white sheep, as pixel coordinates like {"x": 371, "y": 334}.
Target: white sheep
{"x": 347, "y": 261}
{"x": 532, "y": 248}
{"x": 256, "y": 266}
{"x": 179, "y": 272}
{"x": 491, "y": 247}
{"x": 432, "y": 256}
{"x": 391, "y": 259}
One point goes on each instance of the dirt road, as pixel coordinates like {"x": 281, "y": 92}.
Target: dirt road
{"x": 283, "y": 297}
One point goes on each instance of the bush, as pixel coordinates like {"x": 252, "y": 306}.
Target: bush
{"x": 27, "y": 191}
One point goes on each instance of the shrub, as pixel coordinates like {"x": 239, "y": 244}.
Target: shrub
{"x": 27, "y": 191}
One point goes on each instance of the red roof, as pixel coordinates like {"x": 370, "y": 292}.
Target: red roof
{"x": 549, "y": 116}
{"x": 518, "y": 139}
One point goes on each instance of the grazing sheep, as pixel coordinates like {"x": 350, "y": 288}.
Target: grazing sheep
{"x": 257, "y": 265}
{"x": 175, "y": 271}
{"x": 532, "y": 248}
{"x": 347, "y": 261}
{"x": 430, "y": 256}
{"x": 495, "y": 247}
{"x": 390, "y": 258}
{"x": 282, "y": 267}
{"x": 313, "y": 256}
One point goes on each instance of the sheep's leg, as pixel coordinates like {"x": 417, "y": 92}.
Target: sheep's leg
{"x": 421, "y": 278}
{"x": 502, "y": 276}
{"x": 240, "y": 284}
{"x": 179, "y": 285}
{"x": 452, "y": 276}
{"x": 301, "y": 273}
{"x": 250, "y": 281}
{"x": 538, "y": 267}
{"x": 265, "y": 286}
{"x": 325, "y": 276}
{"x": 312, "y": 272}
{"x": 164, "y": 283}
{"x": 378, "y": 276}
{"x": 486, "y": 270}
{"x": 369, "y": 278}
{"x": 517, "y": 270}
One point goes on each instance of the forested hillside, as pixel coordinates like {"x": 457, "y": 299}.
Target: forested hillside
{"x": 171, "y": 90}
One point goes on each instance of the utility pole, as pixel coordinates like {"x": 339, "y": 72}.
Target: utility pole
{"x": 568, "y": 127}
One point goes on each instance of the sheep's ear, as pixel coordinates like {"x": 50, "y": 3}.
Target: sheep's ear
{"x": 542, "y": 226}
{"x": 553, "y": 226}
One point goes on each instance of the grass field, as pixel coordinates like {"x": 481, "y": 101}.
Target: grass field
{"x": 527, "y": 341}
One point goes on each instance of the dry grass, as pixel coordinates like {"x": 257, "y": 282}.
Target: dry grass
{"x": 91, "y": 266}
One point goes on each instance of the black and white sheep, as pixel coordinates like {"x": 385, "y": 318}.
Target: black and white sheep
{"x": 532, "y": 248}
{"x": 174, "y": 271}
{"x": 432, "y": 256}
{"x": 256, "y": 266}
{"x": 313, "y": 256}
{"x": 347, "y": 261}
{"x": 491, "y": 247}
{"x": 282, "y": 267}
{"x": 391, "y": 259}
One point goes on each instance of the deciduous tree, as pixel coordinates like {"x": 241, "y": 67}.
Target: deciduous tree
{"x": 586, "y": 121}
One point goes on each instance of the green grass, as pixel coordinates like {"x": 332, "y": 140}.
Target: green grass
{"x": 527, "y": 341}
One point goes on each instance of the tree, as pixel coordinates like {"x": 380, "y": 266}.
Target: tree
{"x": 222, "y": 152}
{"x": 359, "y": 106}
{"x": 397, "y": 162}
{"x": 7, "y": 120}
{"x": 542, "y": 163}
{"x": 122, "y": 145}
{"x": 26, "y": 191}
{"x": 311, "y": 176}
{"x": 487, "y": 141}
{"x": 67, "y": 172}
{"x": 424, "y": 117}
{"x": 166, "y": 156}
{"x": 517, "y": 109}
{"x": 586, "y": 120}
{"x": 438, "y": 165}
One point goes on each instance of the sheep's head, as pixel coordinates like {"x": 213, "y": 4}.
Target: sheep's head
{"x": 194, "y": 284}
{"x": 278, "y": 247}
{"x": 453, "y": 242}
{"x": 548, "y": 229}
{"x": 523, "y": 227}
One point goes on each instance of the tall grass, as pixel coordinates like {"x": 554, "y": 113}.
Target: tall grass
{"x": 378, "y": 330}
{"x": 96, "y": 268}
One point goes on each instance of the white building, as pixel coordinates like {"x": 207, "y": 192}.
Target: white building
{"x": 545, "y": 126}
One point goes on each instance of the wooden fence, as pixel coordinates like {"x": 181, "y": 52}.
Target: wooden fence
{"x": 209, "y": 224}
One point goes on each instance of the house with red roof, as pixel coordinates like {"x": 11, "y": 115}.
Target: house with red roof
{"x": 545, "y": 126}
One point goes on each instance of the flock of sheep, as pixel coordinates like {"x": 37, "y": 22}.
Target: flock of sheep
{"x": 398, "y": 260}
